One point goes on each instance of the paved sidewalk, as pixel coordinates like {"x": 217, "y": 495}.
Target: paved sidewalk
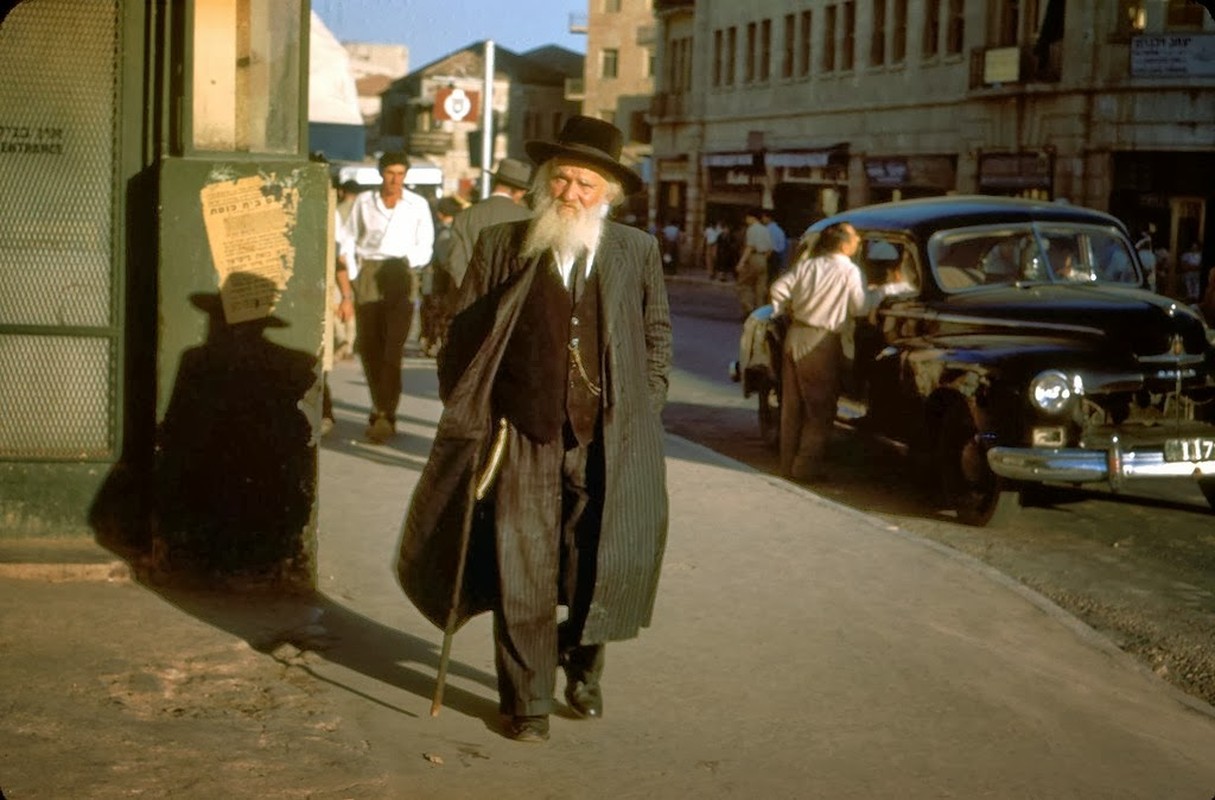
{"x": 799, "y": 650}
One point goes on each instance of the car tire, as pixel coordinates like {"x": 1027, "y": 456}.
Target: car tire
{"x": 1207, "y": 485}
{"x": 769, "y": 414}
{"x": 978, "y": 495}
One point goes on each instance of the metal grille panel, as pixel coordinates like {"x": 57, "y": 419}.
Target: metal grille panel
{"x": 56, "y": 397}
{"x": 57, "y": 101}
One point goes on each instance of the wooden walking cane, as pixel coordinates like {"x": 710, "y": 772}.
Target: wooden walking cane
{"x": 484, "y": 482}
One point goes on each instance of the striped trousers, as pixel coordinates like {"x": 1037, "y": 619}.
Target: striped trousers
{"x": 547, "y": 511}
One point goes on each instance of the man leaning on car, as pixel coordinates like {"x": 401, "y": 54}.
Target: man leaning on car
{"x": 818, "y": 295}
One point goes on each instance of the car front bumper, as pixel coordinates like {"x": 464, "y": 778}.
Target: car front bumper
{"x": 1074, "y": 465}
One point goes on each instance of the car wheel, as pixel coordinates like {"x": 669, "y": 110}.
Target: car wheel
{"x": 968, "y": 485}
{"x": 1207, "y": 485}
{"x": 769, "y": 414}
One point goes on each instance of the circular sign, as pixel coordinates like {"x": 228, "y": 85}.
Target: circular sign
{"x": 457, "y": 104}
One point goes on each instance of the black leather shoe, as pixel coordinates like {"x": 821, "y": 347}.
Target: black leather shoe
{"x": 528, "y": 729}
{"x": 584, "y": 699}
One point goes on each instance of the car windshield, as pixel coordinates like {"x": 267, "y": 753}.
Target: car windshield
{"x": 1032, "y": 253}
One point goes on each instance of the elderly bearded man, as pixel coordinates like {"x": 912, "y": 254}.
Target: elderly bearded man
{"x": 559, "y": 352}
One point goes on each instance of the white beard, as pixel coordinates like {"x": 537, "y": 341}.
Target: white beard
{"x": 569, "y": 236}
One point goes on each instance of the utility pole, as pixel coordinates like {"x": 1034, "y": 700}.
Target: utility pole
{"x": 487, "y": 120}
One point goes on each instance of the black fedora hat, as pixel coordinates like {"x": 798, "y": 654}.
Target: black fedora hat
{"x": 589, "y": 140}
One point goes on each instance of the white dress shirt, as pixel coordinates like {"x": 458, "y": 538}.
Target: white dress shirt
{"x": 375, "y": 231}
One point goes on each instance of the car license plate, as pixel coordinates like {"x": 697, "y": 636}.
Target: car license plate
{"x": 1197, "y": 449}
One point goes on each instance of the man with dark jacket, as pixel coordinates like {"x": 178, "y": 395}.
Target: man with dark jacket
{"x": 559, "y": 355}
{"x": 505, "y": 204}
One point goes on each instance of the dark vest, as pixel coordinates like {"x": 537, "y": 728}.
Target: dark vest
{"x": 583, "y": 380}
{"x": 533, "y": 386}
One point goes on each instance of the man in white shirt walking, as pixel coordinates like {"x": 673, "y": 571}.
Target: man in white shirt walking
{"x": 387, "y": 240}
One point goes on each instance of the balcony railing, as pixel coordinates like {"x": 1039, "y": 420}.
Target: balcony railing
{"x": 1001, "y": 66}
{"x": 575, "y": 89}
{"x": 672, "y": 5}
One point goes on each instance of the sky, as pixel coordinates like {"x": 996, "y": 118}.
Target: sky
{"x": 433, "y": 28}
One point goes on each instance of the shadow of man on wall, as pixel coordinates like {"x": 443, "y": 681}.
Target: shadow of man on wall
{"x": 236, "y": 460}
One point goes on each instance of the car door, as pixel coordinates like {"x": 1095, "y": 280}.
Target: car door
{"x": 876, "y": 369}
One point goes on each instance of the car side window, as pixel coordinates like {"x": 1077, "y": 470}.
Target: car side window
{"x": 888, "y": 261}
{"x": 974, "y": 257}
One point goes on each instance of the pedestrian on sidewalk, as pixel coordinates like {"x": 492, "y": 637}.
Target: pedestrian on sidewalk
{"x": 1191, "y": 272}
{"x": 437, "y": 283}
{"x": 712, "y": 234}
{"x": 752, "y": 268}
{"x": 562, "y": 335}
{"x": 389, "y": 237}
{"x": 780, "y": 245}
{"x": 506, "y": 203}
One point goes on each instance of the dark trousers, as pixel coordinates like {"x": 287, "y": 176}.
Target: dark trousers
{"x": 809, "y": 393}
{"x": 547, "y": 511}
{"x": 383, "y": 314}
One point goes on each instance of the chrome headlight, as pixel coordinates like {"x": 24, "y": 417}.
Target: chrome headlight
{"x": 1051, "y": 391}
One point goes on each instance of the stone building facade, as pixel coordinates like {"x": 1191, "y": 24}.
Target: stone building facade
{"x": 419, "y": 117}
{"x": 819, "y": 105}
{"x": 619, "y": 79}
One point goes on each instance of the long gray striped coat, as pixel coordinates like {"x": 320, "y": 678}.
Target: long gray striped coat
{"x": 635, "y": 362}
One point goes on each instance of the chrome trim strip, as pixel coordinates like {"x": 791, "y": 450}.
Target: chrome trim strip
{"x": 1072, "y": 465}
{"x": 996, "y": 322}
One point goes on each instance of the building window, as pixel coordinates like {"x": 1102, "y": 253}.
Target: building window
{"x": 829, "y": 40}
{"x": 848, "y": 50}
{"x": 898, "y": 43}
{"x": 765, "y": 50}
{"x": 877, "y": 35}
{"x": 647, "y": 62}
{"x": 786, "y": 61}
{"x": 246, "y": 76}
{"x": 611, "y": 6}
{"x": 718, "y": 43}
{"x": 731, "y": 54}
{"x": 803, "y": 53}
{"x": 685, "y": 81}
{"x": 932, "y": 28}
{"x": 749, "y": 58}
{"x": 609, "y": 62}
{"x": 1010, "y": 16}
{"x": 1183, "y": 15}
{"x": 955, "y": 34}
{"x": 1132, "y": 17}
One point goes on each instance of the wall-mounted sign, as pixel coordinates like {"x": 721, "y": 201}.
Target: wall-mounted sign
{"x": 249, "y": 223}
{"x": 455, "y": 104}
{"x": 886, "y": 171}
{"x": 1169, "y": 55}
{"x": 1016, "y": 171}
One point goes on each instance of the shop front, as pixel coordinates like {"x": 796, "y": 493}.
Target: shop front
{"x": 807, "y": 185}
{"x": 1169, "y": 195}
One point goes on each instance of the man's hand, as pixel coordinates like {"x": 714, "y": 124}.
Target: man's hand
{"x": 345, "y": 310}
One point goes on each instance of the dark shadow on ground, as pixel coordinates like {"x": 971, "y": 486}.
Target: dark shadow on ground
{"x": 283, "y": 627}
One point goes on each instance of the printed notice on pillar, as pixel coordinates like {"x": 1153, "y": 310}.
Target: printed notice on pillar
{"x": 248, "y": 222}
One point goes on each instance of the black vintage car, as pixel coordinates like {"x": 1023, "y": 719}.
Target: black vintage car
{"x": 1029, "y": 351}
